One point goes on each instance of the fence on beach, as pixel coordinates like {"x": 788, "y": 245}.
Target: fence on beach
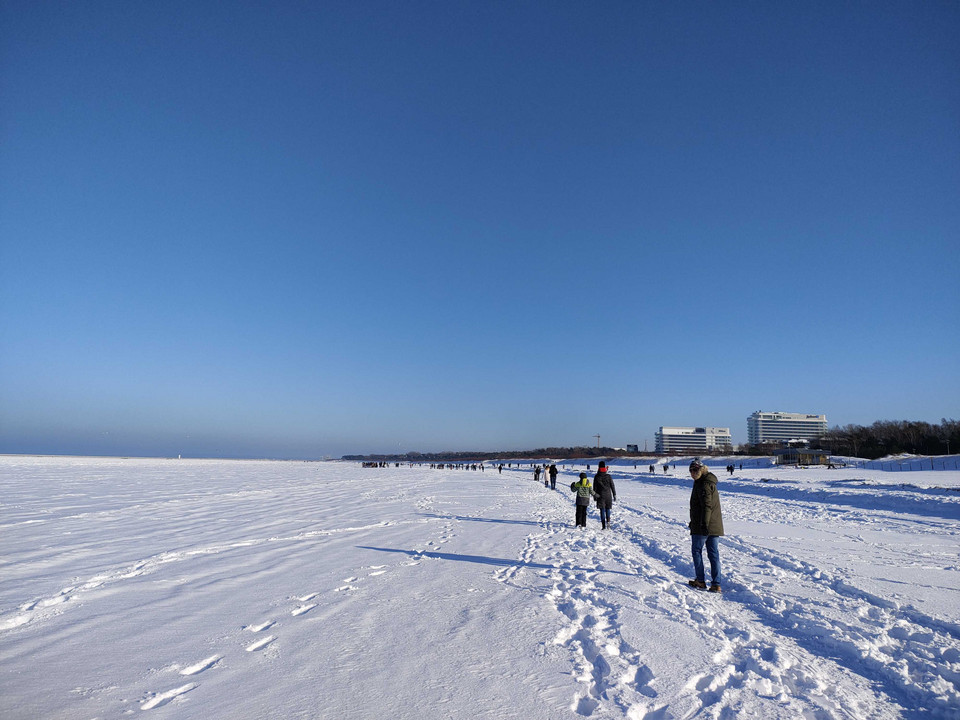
{"x": 940, "y": 462}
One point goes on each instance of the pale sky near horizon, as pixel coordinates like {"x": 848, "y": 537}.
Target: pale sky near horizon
{"x": 298, "y": 229}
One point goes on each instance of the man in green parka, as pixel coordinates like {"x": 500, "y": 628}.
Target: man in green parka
{"x": 706, "y": 525}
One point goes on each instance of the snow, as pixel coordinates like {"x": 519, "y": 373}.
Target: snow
{"x": 243, "y": 589}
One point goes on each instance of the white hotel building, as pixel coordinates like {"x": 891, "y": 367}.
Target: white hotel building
{"x": 692, "y": 439}
{"x": 780, "y": 427}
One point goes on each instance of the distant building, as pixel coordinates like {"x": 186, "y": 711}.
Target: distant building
{"x": 692, "y": 439}
{"x": 780, "y": 427}
{"x": 633, "y": 448}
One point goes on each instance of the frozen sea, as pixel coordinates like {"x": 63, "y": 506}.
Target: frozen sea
{"x": 254, "y": 589}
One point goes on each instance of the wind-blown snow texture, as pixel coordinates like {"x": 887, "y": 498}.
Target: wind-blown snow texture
{"x": 229, "y": 589}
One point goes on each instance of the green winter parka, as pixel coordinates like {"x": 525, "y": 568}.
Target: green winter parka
{"x": 705, "y": 515}
{"x": 583, "y": 490}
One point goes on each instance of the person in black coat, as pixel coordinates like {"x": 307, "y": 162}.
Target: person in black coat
{"x": 606, "y": 493}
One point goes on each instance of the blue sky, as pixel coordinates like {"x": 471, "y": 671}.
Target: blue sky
{"x": 299, "y": 229}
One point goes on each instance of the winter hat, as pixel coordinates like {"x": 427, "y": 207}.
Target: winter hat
{"x": 603, "y": 465}
{"x": 582, "y": 475}
{"x": 695, "y": 464}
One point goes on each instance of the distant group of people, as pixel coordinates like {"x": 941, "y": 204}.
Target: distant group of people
{"x": 549, "y": 475}
{"x": 706, "y": 518}
{"x": 434, "y": 466}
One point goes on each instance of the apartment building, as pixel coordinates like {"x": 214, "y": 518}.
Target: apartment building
{"x": 692, "y": 439}
{"x": 781, "y": 427}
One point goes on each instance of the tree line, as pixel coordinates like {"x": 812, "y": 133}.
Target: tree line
{"x": 892, "y": 437}
{"x": 884, "y": 437}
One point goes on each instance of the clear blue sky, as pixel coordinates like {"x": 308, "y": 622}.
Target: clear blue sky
{"x": 296, "y": 229}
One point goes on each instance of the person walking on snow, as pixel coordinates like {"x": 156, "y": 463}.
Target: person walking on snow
{"x": 706, "y": 525}
{"x": 606, "y": 493}
{"x": 584, "y": 492}
{"x": 553, "y": 477}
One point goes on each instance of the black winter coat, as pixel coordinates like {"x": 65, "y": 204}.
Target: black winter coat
{"x": 605, "y": 489}
{"x": 705, "y": 515}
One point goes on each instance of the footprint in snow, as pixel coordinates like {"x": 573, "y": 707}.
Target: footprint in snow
{"x": 47, "y": 602}
{"x": 262, "y": 626}
{"x": 641, "y": 681}
{"x": 303, "y": 609}
{"x": 163, "y": 698}
{"x": 202, "y": 665}
{"x": 261, "y": 644}
{"x": 584, "y": 705}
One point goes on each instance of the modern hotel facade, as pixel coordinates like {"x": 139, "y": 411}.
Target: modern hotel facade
{"x": 691, "y": 439}
{"x": 781, "y": 427}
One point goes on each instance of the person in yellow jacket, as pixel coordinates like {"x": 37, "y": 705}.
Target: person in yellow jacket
{"x": 584, "y": 492}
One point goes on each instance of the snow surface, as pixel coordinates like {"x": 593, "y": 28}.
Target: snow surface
{"x": 242, "y": 589}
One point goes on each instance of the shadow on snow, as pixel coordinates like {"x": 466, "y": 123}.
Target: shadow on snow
{"x": 481, "y": 519}
{"x": 486, "y": 560}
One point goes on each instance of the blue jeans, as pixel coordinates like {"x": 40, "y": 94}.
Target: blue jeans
{"x": 605, "y": 516}
{"x": 713, "y": 554}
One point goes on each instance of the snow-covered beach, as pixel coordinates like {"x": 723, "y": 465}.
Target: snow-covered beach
{"x": 249, "y": 589}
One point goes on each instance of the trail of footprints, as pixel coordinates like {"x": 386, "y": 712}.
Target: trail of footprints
{"x": 607, "y": 667}
{"x": 912, "y": 655}
{"x": 261, "y": 640}
{"x": 264, "y": 641}
{"x": 613, "y": 674}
